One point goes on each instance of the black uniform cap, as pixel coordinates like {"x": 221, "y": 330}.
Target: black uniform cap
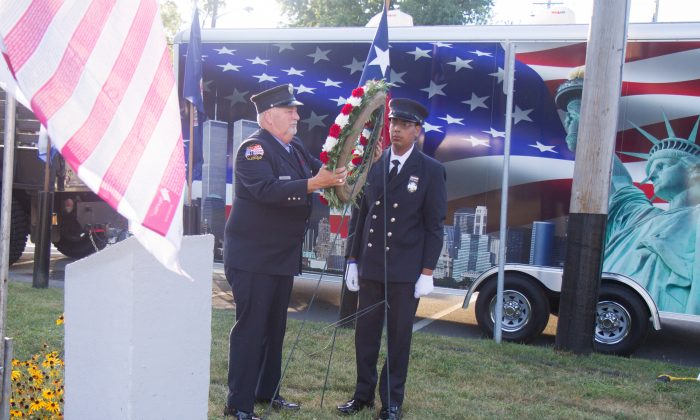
{"x": 407, "y": 109}
{"x": 278, "y": 96}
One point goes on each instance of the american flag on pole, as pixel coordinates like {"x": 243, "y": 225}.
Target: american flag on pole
{"x": 98, "y": 75}
{"x": 377, "y": 65}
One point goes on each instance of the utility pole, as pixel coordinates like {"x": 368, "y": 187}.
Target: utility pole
{"x": 589, "y": 194}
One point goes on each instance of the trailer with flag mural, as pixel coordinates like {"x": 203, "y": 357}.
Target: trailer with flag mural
{"x": 458, "y": 74}
{"x": 81, "y": 222}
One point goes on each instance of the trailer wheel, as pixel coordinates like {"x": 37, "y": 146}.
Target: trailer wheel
{"x": 75, "y": 242}
{"x": 622, "y": 321}
{"x": 19, "y": 229}
{"x": 525, "y": 308}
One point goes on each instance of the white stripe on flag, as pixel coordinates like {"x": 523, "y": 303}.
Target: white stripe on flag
{"x": 644, "y": 110}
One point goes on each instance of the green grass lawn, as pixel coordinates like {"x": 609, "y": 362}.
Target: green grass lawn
{"x": 449, "y": 378}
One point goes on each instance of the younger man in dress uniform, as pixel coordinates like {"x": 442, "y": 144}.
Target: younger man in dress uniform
{"x": 399, "y": 224}
{"x": 275, "y": 176}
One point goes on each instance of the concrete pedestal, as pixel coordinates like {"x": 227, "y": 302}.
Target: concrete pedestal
{"x": 138, "y": 336}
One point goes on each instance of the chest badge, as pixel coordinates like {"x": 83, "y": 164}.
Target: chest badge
{"x": 412, "y": 184}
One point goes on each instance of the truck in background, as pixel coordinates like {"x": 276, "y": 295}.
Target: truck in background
{"x": 81, "y": 224}
{"x": 458, "y": 73}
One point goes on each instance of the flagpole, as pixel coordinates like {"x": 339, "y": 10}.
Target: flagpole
{"x": 42, "y": 248}
{"x": 5, "y": 215}
{"x": 191, "y": 155}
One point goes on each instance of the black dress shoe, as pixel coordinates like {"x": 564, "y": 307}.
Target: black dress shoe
{"x": 354, "y": 406}
{"x": 390, "y": 413}
{"x": 239, "y": 415}
{"x": 280, "y": 403}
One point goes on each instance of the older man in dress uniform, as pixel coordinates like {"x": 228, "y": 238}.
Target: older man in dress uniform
{"x": 399, "y": 225}
{"x": 275, "y": 176}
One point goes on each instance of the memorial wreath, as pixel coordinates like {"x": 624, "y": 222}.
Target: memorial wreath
{"x": 351, "y": 141}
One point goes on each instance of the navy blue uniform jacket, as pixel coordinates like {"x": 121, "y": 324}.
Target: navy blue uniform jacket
{"x": 270, "y": 212}
{"x": 417, "y": 203}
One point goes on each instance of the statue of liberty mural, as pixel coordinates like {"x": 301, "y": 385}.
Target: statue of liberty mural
{"x": 657, "y": 248}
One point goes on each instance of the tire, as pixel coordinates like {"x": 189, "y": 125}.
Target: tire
{"x": 525, "y": 308}
{"x": 621, "y": 322}
{"x": 75, "y": 242}
{"x": 19, "y": 229}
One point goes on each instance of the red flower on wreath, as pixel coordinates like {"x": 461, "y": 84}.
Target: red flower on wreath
{"x": 347, "y": 109}
{"x": 324, "y": 157}
{"x": 357, "y": 160}
{"x": 334, "y": 131}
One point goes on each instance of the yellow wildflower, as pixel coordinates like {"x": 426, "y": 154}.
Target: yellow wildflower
{"x": 52, "y": 407}
{"x": 49, "y": 363}
{"x": 36, "y": 405}
{"x": 47, "y": 394}
{"x": 16, "y": 414}
{"x": 38, "y": 379}
{"x": 16, "y": 375}
{"x": 60, "y": 320}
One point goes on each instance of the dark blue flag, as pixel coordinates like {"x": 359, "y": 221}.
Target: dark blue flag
{"x": 377, "y": 63}
{"x": 192, "y": 88}
{"x": 192, "y": 92}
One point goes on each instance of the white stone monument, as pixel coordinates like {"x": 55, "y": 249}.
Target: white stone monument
{"x": 138, "y": 336}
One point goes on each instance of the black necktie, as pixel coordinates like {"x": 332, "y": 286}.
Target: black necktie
{"x": 298, "y": 158}
{"x": 394, "y": 169}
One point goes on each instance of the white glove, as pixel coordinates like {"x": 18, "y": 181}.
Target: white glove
{"x": 424, "y": 286}
{"x": 351, "y": 278}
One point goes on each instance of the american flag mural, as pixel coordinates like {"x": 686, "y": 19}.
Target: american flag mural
{"x": 462, "y": 84}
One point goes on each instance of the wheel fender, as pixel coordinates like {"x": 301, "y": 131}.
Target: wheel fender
{"x": 547, "y": 277}
{"x": 639, "y": 290}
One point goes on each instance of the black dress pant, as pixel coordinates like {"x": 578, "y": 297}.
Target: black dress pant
{"x": 368, "y": 336}
{"x": 255, "y": 346}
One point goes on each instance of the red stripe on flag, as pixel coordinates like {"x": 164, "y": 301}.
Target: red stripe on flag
{"x": 568, "y": 56}
{"x": 119, "y": 174}
{"x": 59, "y": 88}
{"x": 643, "y": 50}
{"x": 167, "y": 198}
{"x": 80, "y": 146}
{"x": 684, "y": 88}
{"x": 21, "y": 41}
{"x": 575, "y": 55}
{"x": 553, "y": 85}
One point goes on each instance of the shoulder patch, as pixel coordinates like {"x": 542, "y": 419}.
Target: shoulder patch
{"x": 254, "y": 152}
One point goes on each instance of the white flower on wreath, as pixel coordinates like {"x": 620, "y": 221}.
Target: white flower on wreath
{"x": 329, "y": 144}
{"x": 354, "y": 100}
{"x": 342, "y": 120}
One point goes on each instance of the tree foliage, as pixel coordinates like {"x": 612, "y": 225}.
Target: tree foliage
{"x": 211, "y": 10}
{"x": 171, "y": 19}
{"x": 358, "y": 12}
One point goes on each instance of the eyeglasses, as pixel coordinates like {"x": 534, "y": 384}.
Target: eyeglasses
{"x": 402, "y": 124}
